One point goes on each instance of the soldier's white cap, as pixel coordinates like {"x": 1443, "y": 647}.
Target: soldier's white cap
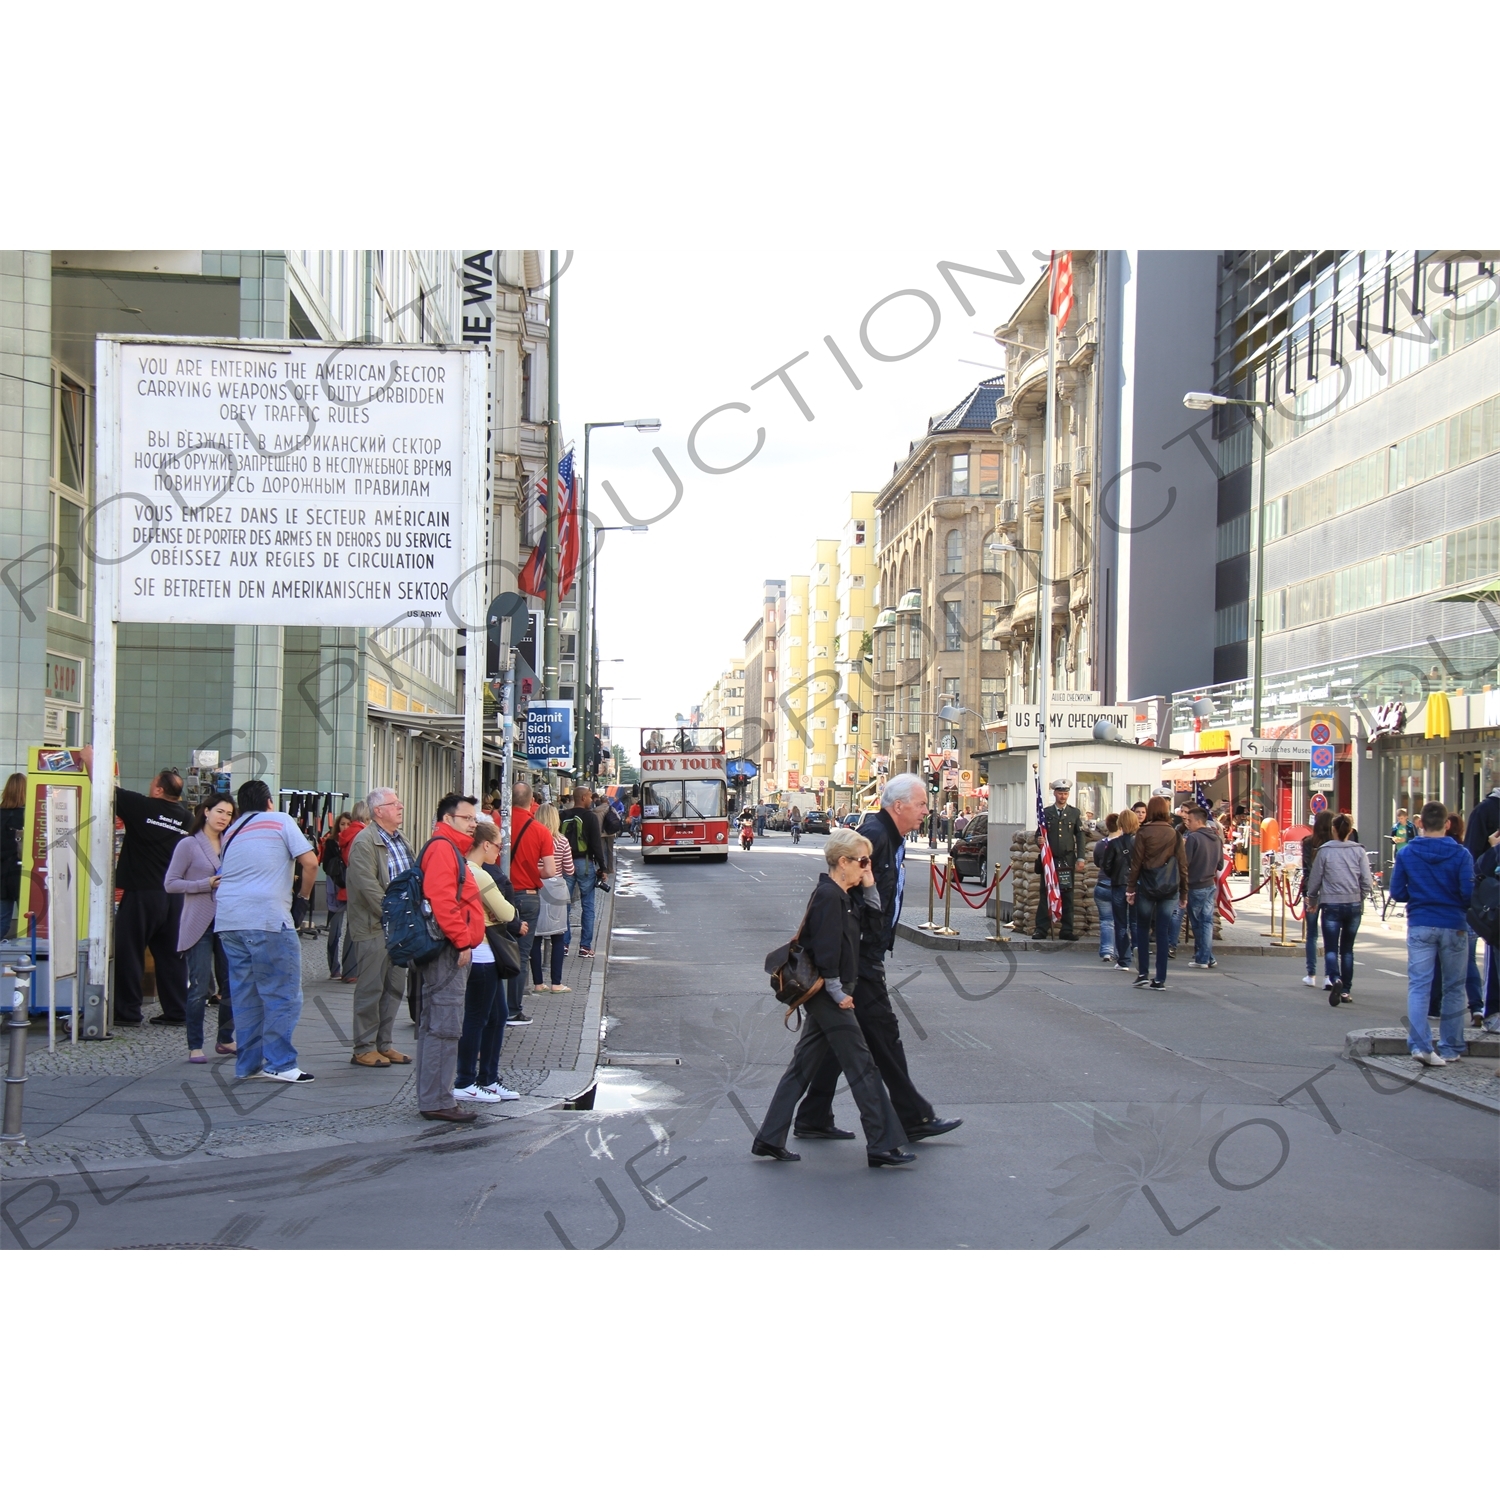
{"x": 1062, "y": 784}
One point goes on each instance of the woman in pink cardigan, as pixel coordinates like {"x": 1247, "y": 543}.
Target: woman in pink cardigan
{"x": 194, "y": 875}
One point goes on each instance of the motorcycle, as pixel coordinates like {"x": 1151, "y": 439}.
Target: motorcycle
{"x": 747, "y": 835}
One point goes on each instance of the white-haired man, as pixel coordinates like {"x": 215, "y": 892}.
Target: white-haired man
{"x": 903, "y": 805}
{"x": 376, "y": 855}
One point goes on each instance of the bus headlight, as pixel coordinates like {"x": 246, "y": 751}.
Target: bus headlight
{"x": 650, "y": 838}
{"x": 720, "y": 837}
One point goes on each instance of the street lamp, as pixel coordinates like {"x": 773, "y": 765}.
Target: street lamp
{"x": 1206, "y": 401}
{"x": 587, "y": 614}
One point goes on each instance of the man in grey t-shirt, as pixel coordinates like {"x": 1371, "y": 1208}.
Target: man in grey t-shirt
{"x": 253, "y": 918}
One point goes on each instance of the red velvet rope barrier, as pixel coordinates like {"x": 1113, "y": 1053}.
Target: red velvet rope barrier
{"x": 940, "y": 881}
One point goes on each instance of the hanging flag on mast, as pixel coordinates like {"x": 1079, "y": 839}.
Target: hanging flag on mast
{"x": 1049, "y": 865}
{"x": 1061, "y": 271}
{"x": 533, "y": 577}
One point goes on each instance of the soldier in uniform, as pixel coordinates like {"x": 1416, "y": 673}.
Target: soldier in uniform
{"x": 1064, "y": 827}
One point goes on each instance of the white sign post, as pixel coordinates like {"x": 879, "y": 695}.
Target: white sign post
{"x": 248, "y": 482}
{"x": 62, "y": 902}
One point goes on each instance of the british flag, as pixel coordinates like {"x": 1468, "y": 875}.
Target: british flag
{"x": 1049, "y": 865}
{"x": 533, "y": 577}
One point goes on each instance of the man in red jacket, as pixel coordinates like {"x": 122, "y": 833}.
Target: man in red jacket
{"x": 449, "y": 887}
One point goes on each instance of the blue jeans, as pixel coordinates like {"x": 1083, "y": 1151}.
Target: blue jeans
{"x": 581, "y": 884}
{"x": 1429, "y": 948}
{"x": 1162, "y": 917}
{"x": 200, "y": 975}
{"x": 484, "y": 1027}
{"x": 1104, "y": 902}
{"x": 528, "y": 907}
{"x": 1310, "y": 929}
{"x": 1473, "y": 985}
{"x": 1340, "y": 922}
{"x": 265, "y": 977}
{"x": 345, "y": 964}
{"x": 1200, "y": 906}
{"x": 1121, "y": 911}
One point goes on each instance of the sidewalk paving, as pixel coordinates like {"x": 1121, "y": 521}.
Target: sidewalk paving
{"x": 135, "y": 1095}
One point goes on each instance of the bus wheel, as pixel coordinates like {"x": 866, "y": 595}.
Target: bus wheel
{"x": 718, "y": 859}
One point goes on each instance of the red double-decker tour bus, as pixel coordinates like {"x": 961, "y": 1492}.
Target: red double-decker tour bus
{"x": 684, "y": 794}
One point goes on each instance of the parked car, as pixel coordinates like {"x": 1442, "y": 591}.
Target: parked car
{"x": 852, "y": 820}
{"x": 815, "y": 822}
{"x": 971, "y": 851}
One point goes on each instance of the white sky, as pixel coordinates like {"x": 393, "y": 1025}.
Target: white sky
{"x": 654, "y": 335}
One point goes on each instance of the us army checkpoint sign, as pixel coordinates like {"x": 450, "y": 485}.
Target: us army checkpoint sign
{"x": 262, "y": 484}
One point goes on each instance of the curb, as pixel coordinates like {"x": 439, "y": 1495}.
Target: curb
{"x": 1017, "y": 942}
{"x": 562, "y": 1087}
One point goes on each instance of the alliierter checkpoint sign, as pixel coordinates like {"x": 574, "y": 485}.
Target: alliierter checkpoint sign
{"x": 309, "y": 485}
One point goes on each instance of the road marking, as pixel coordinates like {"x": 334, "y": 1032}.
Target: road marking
{"x": 1391, "y": 972}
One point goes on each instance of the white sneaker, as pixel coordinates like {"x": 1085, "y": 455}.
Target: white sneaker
{"x": 470, "y": 1093}
{"x": 493, "y": 1093}
{"x": 1430, "y": 1059}
{"x": 289, "y": 1075}
{"x": 1309, "y": 980}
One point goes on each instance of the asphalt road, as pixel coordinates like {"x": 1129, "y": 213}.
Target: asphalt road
{"x": 1217, "y": 1114}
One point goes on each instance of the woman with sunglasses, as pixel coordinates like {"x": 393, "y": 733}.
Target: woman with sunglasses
{"x": 830, "y": 934}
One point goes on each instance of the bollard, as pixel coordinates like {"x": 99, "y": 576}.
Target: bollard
{"x": 947, "y": 929}
{"x": 929, "y": 925}
{"x": 998, "y": 936}
{"x": 15, "y": 1073}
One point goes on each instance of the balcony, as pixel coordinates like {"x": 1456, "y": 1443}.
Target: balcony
{"x": 1062, "y": 479}
{"x": 1036, "y": 489}
{"x": 1083, "y": 349}
{"x": 1007, "y": 514}
{"x": 1082, "y": 463}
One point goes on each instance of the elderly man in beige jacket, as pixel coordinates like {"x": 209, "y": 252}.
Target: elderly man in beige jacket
{"x": 377, "y": 854}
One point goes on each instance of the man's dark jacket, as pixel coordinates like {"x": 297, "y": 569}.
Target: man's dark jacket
{"x": 878, "y": 930}
{"x": 1484, "y": 822}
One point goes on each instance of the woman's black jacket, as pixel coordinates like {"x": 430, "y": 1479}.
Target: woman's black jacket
{"x": 830, "y": 932}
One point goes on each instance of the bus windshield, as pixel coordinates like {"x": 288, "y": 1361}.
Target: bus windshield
{"x": 683, "y": 799}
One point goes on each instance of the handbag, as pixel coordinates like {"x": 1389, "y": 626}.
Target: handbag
{"x": 507, "y": 951}
{"x": 1159, "y": 882}
{"x": 794, "y": 976}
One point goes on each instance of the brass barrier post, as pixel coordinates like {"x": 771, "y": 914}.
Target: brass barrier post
{"x": 947, "y": 929}
{"x": 997, "y": 936}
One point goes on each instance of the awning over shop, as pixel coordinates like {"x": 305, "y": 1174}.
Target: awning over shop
{"x": 1197, "y": 767}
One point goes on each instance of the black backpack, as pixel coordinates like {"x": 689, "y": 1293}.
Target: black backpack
{"x": 412, "y": 935}
{"x": 333, "y": 863}
{"x": 610, "y": 823}
{"x": 1484, "y": 910}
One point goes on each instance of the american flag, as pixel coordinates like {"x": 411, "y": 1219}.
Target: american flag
{"x": 1049, "y": 866}
{"x": 1222, "y": 898}
{"x": 1061, "y": 271}
{"x": 533, "y": 577}
{"x": 1203, "y": 799}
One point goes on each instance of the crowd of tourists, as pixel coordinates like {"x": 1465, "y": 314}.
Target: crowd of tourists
{"x": 214, "y": 895}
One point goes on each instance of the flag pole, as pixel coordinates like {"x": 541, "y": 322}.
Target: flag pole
{"x": 1044, "y": 582}
{"x": 550, "y": 632}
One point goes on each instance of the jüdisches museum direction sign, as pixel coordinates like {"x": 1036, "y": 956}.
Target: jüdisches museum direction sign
{"x": 314, "y": 485}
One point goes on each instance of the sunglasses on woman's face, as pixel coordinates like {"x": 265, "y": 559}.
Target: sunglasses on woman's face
{"x": 863, "y": 861}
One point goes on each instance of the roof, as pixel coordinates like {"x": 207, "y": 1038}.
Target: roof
{"x": 975, "y": 412}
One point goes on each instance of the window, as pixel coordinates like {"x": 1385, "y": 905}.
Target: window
{"x": 526, "y": 393}
{"x": 1473, "y": 553}
{"x": 953, "y": 624}
{"x": 913, "y": 640}
{"x": 859, "y": 533}
{"x": 960, "y": 475}
{"x": 950, "y": 688}
{"x": 69, "y": 475}
{"x": 914, "y": 710}
{"x": 991, "y": 698}
{"x": 989, "y": 473}
{"x": 890, "y": 650}
{"x": 989, "y": 621}
{"x": 954, "y": 555}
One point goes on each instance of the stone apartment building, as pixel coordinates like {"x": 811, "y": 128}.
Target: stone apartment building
{"x": 808, "y": 705}
{"x": 941, "y": 589}
{"x": 723, "y": 706}
{"x": 853, "y": 640}
{"x": 762, "y": 684}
